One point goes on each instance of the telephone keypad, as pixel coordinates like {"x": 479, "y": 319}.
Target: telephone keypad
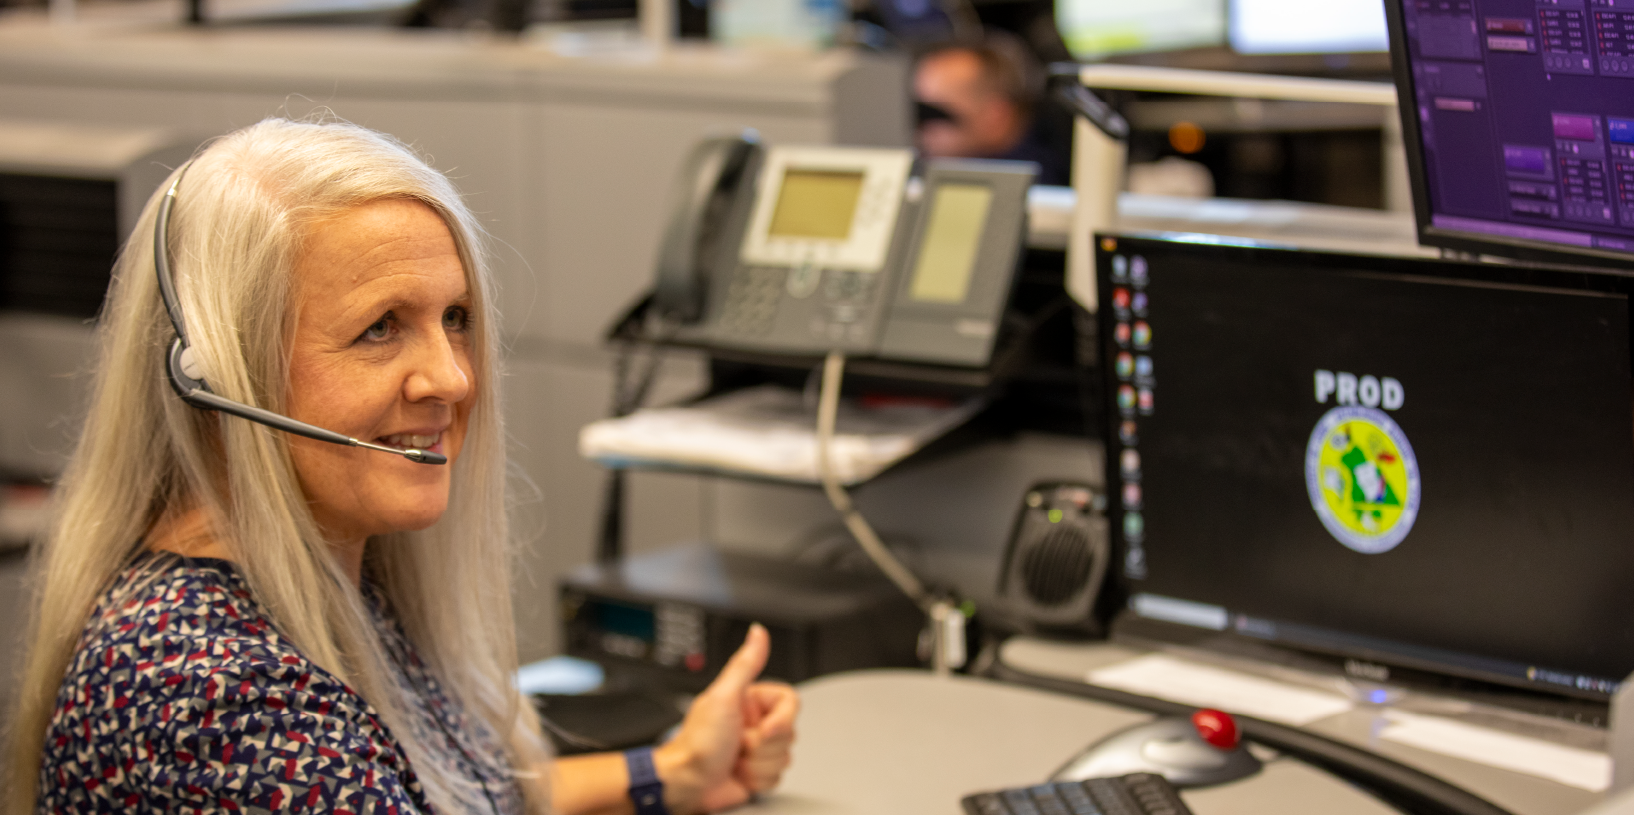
{"x": 842, "y": 312}
{"x": 847, "y": 285}
{"x": 803, "y": 280}
{"x": 833, "y": 290}
{"x": 751, "y": 300}
{"x": 844, "y": 316}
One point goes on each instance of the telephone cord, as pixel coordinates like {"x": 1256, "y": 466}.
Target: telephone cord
{"x": 828, "y": 408}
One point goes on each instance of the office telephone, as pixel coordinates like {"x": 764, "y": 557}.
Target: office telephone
{"x": 806, "y": 250}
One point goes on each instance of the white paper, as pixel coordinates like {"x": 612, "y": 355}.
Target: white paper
{"x": 1585, "y": 769}
{"x": 772, "y": 432}
{"x": 1177, "y": 680}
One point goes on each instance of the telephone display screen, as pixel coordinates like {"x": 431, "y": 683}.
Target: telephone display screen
{"x": 816, "y": 204}
{"x": 948, "y": 254}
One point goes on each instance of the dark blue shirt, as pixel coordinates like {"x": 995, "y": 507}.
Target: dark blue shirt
{"x": 183, "y": 697}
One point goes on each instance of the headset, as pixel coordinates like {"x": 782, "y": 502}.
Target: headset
{"x": 187, "y": 378}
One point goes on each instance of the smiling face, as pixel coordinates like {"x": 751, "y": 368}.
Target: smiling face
{"x": 382, "y": 352}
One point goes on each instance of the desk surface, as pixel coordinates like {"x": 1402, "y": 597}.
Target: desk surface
{"x": 1360, "y": 726}
{"x": 897, "y": 742}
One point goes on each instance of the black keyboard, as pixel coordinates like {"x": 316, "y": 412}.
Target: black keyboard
{"x": 1137, "y": 794}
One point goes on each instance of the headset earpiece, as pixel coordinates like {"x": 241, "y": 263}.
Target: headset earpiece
{"x": 187, "y": 376}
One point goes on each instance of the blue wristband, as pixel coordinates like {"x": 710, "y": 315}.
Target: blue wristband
{"x": 646, "y": 788}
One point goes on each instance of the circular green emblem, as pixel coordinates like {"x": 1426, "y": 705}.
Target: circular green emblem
{"x": 1362, "y": 478}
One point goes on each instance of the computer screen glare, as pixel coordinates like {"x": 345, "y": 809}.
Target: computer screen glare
{"x": 1303, "y": 27}
{"x": 1093, "y": 29}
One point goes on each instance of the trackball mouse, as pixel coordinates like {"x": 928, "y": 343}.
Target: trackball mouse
{"x": 1197, "y": 752}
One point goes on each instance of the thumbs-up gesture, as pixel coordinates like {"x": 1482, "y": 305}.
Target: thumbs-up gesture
{"x": 735, "y": 740}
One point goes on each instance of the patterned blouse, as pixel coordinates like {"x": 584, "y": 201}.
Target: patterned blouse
{"x": 181, "y": 697}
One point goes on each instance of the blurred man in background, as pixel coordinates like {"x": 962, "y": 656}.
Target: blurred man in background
{"x": 982, "y": 101}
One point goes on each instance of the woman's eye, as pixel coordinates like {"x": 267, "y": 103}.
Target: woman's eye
{"x": 456, "y": 318}
{"x": 380, "y": 330}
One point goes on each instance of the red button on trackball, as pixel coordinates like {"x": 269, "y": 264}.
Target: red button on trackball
{"x": 1216, "y": 727}
{"x": 695, "y": 662}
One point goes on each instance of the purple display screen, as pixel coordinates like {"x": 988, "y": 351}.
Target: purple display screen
{"x": 1525, "y": 113}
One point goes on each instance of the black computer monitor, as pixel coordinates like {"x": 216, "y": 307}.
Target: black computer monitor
{"x": 1518, "y": 117}
{"x": 1415, "y": 465}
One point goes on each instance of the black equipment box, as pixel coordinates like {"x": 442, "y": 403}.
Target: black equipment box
{"x": 681, "y": 613}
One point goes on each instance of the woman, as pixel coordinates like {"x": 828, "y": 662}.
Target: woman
{"x": 233, "y": 618}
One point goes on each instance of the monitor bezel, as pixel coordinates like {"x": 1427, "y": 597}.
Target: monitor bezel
{"x": 1360, "y": 65}
{"x": 1474, "y": 243}
{"x": 1323, "y": 262}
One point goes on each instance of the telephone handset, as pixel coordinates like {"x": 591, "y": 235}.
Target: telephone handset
{"x": 705, "y": 191}
{"x": 805, "y": 250}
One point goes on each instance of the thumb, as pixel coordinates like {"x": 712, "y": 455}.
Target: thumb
{"x": 745, "y": 665}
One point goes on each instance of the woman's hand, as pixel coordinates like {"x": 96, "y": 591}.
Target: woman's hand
{"x": 734, "y": 743}
{"x": 735, "y": 739}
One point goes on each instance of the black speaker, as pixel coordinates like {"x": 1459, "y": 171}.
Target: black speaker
{"x": 1056, "y": 561}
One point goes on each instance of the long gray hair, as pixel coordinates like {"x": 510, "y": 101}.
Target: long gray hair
{"x": 237, "y": 229}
